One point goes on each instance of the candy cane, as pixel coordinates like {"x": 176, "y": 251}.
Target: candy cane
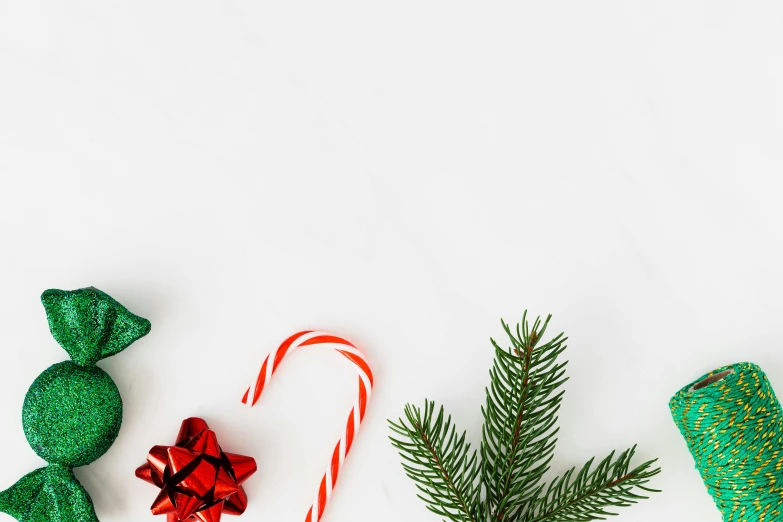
{"x": 350, "y": 352}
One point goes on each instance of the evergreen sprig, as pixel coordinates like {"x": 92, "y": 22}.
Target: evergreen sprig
{"x": 518, "y": 441}
{"x": 441, "y": 463}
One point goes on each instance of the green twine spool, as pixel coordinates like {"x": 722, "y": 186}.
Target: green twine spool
{"x": 733, "y": 425}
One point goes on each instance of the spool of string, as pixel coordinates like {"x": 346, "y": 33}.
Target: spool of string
{"x": 733, "y": 425}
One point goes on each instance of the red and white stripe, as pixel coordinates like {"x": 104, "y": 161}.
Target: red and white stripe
{"x": 350, "y": 352}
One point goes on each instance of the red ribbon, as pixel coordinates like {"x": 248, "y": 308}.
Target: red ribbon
{"x": 197, "y": 480}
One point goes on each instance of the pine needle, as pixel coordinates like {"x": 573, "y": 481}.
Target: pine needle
{"x": 518, "y": 443}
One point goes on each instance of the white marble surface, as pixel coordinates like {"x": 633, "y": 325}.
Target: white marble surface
{"x": 406, "y": 175}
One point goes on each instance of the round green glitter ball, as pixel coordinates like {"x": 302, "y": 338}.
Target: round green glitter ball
{"x": 72, "y": 414}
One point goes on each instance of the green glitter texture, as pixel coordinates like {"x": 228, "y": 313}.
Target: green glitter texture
{"x": 49, "y": 494}
{"x": 90, "y": 325}
{"x": 73, "y": 411}
{"x": 85, "y": 421}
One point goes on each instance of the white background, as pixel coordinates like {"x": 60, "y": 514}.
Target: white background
{"x": 405, "y": 174}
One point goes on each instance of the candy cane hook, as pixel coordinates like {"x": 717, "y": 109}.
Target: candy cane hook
{"x": 350, "y": 352}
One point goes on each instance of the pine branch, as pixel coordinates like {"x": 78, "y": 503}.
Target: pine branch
{"x": 520, "y": 425}
{"x": 519, "y": 418}
{"x": 440, "y": 462}
{"x": 588, "y": 495}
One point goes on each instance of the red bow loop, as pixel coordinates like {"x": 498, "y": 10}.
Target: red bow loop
{"x": 197, "y": 481}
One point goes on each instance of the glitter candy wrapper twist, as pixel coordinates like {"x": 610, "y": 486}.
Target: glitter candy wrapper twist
{"x": 73, "y": 411}
{"x": 198, "y": 482}
{"x": 345, "y": 348}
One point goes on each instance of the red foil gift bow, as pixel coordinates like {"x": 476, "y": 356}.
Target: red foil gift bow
{"x": 198, "y": 482}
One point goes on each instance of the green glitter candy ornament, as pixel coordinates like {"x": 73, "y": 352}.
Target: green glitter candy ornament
{"x": 73, "y": 411}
